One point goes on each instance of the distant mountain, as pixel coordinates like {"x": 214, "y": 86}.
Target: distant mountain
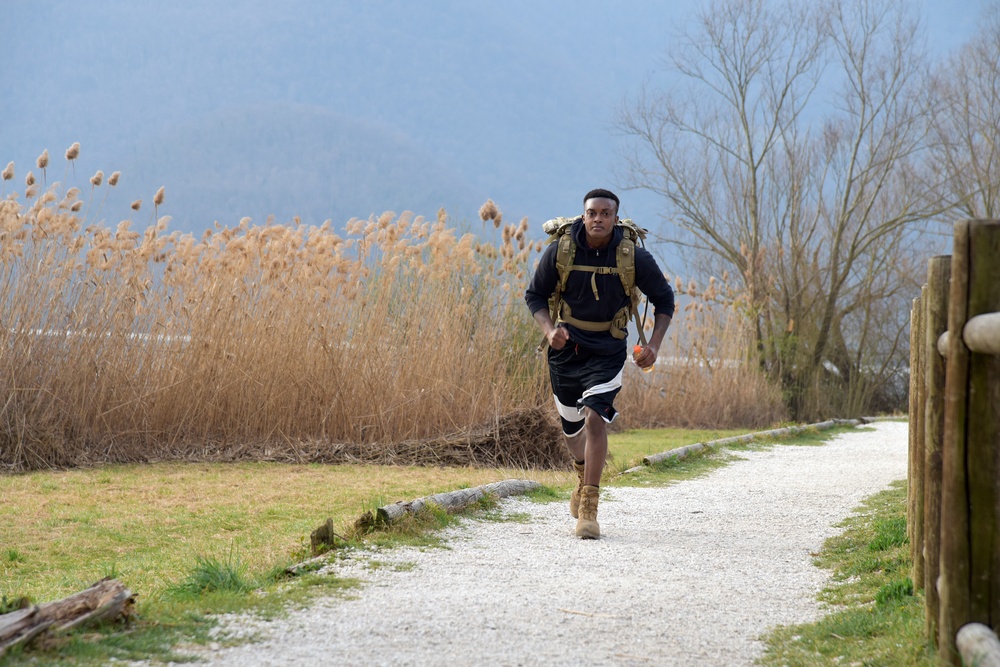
{"x": 290, "y": 160}
{"x": 328, "y": 109}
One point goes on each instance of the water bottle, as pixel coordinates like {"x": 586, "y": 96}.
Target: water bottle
{"x": 635, "y": 353}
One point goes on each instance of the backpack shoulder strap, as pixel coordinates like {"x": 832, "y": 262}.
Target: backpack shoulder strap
{"x": 634, "y": 235}
{"x": 625, "y": 261}
{"x": 558, "y": 230}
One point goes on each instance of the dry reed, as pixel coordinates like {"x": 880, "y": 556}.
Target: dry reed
{"x": 121, "y": 345}
{"x": 397, "y": 342}
{"x": 704, "y": 377}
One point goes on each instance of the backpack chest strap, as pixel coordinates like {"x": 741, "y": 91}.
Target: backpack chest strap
{"x": 594, "y": 270}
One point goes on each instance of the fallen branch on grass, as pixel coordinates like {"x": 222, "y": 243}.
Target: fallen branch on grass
{"x": 107, "y": 600}
{"x": 451, "y": 501}
{"x": 454, "y": 500}
{"x": 683, "y": 452}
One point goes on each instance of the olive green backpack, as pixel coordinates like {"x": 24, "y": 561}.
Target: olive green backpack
{"x": 558, "y": 230}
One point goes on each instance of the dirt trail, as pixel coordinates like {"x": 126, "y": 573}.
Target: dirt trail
{"x": 686, "y": 575}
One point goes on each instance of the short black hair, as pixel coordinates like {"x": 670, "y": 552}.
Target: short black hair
{"x": 601, "y": 193}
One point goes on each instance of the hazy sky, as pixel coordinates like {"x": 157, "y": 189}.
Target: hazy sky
{"x": 514, "y": 101}
{"x": 951, "y": 22}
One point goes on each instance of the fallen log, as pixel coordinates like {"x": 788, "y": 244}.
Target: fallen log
{"x": 324, "y": 536}
{"x": 106, "y": 600}
{"x": 453, "y": 501}
{"x": 20, "y": 627}
{"x": 683, "y": 452}
{"x": 978, "y": 645}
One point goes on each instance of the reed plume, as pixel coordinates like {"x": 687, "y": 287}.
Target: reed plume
{"x": 392, "y": 338}
{"x": 488, "y": 211}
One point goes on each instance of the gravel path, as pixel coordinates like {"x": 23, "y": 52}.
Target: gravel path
{"x": 685, "y": 575}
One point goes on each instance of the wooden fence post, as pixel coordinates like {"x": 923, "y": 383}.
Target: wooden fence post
{"x": 917, "y": 474}
{"x": 983, "y": 431}
{"x": 953, "y": 581}
{"x": 910, "y": 464}
{"x": 935, "y": 324}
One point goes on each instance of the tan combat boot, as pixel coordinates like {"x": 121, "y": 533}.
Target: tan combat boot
{"x": 574, "y": 499}
{"x": 586, "y": 525}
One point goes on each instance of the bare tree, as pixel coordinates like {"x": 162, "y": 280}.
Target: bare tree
{"x": 811, "y": 203}
{"x": 966, "y": 122}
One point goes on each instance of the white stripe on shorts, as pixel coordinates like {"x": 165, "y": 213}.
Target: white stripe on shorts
{"x": 616, "y": 383}
{"x": 570, "y": 414}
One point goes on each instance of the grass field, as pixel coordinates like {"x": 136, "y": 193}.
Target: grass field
{"x": 60, "y": 531}
{"x": 165, "y": 528}
{"x": 194, "y": 540}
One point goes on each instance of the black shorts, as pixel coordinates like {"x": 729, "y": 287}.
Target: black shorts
{"x": 583, "y": 379}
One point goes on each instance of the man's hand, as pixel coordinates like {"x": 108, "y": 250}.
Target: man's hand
{"x": 647, "y": 355}
{"x": 558, "y": 337}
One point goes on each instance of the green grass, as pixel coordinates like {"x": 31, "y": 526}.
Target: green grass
{"x": 212, "y": 575}
{"x": 196, "y": 540}
{"x": 873, "y": 616}
{"x": 694, "y": 465}
{"x": 627, "y": 449}
{"x": 62, "y": 530}
{"x": 185, "y": 613}
{"x": 193, "y": 540}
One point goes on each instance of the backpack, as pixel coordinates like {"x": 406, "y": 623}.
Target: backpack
{"x": 558, "y": 230}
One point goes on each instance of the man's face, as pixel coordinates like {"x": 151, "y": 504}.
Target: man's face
{"x": 599, "y": 218}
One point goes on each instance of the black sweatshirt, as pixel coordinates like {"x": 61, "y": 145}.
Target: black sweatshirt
{"x": 580, "y": 295}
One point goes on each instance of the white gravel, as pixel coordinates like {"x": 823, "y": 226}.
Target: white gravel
{"x": 690, "y": 574}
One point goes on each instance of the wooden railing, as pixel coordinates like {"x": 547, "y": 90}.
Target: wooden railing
{"x": 954, "y": 474}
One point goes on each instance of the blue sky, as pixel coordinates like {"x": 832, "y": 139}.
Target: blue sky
{"x": 514, "y": 101}
{"x": 951, "y": 22}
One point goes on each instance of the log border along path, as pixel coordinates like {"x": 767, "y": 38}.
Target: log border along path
{"x": 689, "y": 574}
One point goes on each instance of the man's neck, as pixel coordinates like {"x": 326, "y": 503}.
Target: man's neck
{"x": 597, "y": 245}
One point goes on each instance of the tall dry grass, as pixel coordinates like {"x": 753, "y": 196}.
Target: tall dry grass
{"x": 284, "y": 341}
{"x": 120, "y": 344}
{"x": 704, "y": 377}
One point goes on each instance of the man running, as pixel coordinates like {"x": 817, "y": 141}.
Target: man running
{"x": 587, "y": 347}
